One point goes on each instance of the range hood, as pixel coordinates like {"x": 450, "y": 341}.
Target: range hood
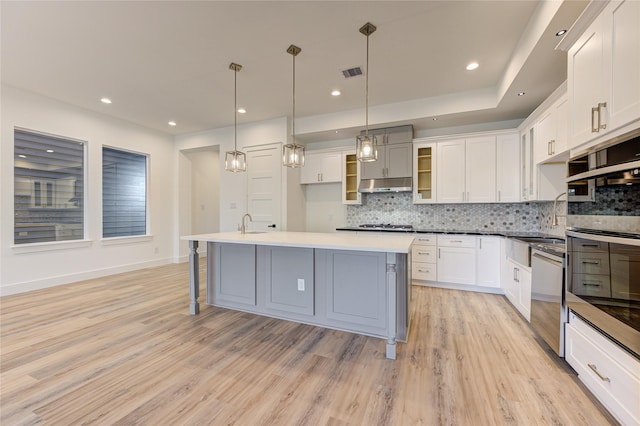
{"x": 399, "y": 184}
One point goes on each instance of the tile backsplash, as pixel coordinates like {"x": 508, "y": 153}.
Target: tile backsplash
{"x": 398, "y": 208}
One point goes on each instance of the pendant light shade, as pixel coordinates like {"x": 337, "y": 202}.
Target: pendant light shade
{"x": 293, "y": 153}
{"x": 235, "y": 161}
{"x": 367, "y": 145}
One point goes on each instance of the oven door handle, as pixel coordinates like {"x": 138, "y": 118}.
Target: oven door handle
{"x": 604, "y": 238}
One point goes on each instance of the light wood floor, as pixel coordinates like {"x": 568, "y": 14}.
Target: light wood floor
{"x": 123, "y": 350}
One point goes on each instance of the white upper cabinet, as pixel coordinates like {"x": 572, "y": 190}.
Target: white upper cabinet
{"x": 451, "y": 171}
{"x": 604, "y": 74}
{"x": 508, "y": 168}
{"x": 350, "y": 178}
{"x": 321, "y": 167}
{"x": 480, "y": 173}
{"x": 466, "y": 170}
{"x": 424, "y": 172}
{"x": 551, "y": 133}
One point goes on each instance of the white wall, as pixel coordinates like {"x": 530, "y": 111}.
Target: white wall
{"x": 233, "y": 186}
{"x": 205, "y": 190}
{"x": 23, "y": 270}
{"x": 325, "y": 211}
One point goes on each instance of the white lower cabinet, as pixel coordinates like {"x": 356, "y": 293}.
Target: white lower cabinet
{"x": 457, "y": 259}
{"x": 611, "y": 374}
{"x": 516, "y": 283}
{"x": 423, "y": 258}
{"x": 488, "y": 261}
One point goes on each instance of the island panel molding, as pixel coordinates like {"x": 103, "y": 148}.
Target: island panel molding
{"x": 354, "y": 283}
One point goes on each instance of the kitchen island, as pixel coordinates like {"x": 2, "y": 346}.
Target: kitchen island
{"x": 359, "y": 284}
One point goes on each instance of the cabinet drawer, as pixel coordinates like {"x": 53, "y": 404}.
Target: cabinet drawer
{"x": 588, "y": 246}
{"x": 591, "y": 263}
{"x": 591, "y": 285}
{"x": 423, "y": 254}
{"x": 424, "y": 240}
{"x": 457, "y": 241}
{"x": 610, "y": 373}
{"x": 423, "y": 271}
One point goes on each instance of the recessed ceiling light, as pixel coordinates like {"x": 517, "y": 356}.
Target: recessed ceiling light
{"x": 472, "y": 66}
{"x": 22, "y": 156}
{"x": 521, "y": 93}
{"x": 242, "y": 111}
{"x": 337, "y": 131}
{"x": 561, "y": 32}
{"x": 435, "y": 118}
{"x": 172, "y": 123}
{"x": 50, "y": 151}
{"x": 105, "y": 100}
{"x": 336, "y": 93}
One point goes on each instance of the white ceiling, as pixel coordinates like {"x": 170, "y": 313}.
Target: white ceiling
{"x": 168, "y": 60}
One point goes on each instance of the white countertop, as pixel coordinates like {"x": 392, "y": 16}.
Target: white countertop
{"x": 390, "y": 243}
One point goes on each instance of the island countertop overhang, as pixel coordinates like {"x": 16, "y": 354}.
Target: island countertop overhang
{"x": 335, "y": 241}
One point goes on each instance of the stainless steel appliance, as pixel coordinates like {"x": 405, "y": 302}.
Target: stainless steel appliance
{"x": 548, "y": 308}
{"x": 603, "y": 240}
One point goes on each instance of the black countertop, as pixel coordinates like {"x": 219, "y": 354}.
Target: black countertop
{"x": 554, "y": 249}
{"x": 510, "y": 234}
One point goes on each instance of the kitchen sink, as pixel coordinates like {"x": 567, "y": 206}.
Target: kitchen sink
{"x": 519, "y": 248}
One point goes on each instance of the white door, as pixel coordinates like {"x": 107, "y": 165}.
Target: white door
{"x": 264, "y": 187}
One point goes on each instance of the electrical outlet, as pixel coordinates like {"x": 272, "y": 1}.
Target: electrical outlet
{"x": 300, "y": 284}
{"x": 156, "y": 250}
{"x": 233, "y": 206}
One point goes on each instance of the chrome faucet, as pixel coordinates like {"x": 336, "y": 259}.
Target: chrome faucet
{"x": 243, "y": 228}
{"x": 554, "y": 218}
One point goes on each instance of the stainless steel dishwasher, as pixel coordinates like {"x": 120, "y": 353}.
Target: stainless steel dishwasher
{"x": 548, "y": 307}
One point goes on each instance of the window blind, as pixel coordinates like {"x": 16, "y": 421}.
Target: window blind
{"x": 124, "y": 193}
{"x": 48, "y": 188}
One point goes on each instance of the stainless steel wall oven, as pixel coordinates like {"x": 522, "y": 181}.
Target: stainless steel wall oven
{"x": 603, "y": 240}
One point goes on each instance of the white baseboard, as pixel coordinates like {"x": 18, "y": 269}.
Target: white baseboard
{"x": 79, "y": 276}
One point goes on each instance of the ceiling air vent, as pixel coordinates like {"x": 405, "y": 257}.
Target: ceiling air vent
{"x": 352, "y": 72}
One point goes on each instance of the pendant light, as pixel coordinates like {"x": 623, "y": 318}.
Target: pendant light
{"x": 293, "y": 153}
{"x": 367, "y": 145}
{"x": 235, "y": 161}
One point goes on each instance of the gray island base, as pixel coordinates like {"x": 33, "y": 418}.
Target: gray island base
{"x": 358, "y": 284}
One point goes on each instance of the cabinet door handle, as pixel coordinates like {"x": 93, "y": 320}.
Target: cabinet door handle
{"x": 499, "y": 197}
{"x": 467, "y": 196}
{"x": 595, "y": 370}
{"x": 600, "y": 124}
{"x": 594, "y": 129}
{"x": 549, "y": 148}
{"x": 423, "y": 252}
{"x": 552, "y": 143}
{"x": 480, "y": 240}
{"x": 585, "y": 284}
{"x": 589, "y": 245}
{"x": 590, "y": 262}
{"x": 438, "y": 253}
{"x": 515, "y": 274}
{"x": 425, "y": 271}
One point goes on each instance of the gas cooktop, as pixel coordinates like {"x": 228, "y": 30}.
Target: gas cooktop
{"x": 386, "y": 227}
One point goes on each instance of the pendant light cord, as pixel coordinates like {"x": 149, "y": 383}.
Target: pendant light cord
{"x": 235, "y": 110}
{"x": 366, "y": 90}
{"x": 293, "y": 120}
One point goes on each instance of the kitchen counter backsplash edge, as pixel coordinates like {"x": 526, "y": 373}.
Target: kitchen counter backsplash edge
{"x": 481, "y": 218}
{"x": 508, "y": 234}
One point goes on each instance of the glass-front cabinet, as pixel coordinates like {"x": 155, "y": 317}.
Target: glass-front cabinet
{"x": 424, "y": 172}
{"x": 350, "y": 178}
